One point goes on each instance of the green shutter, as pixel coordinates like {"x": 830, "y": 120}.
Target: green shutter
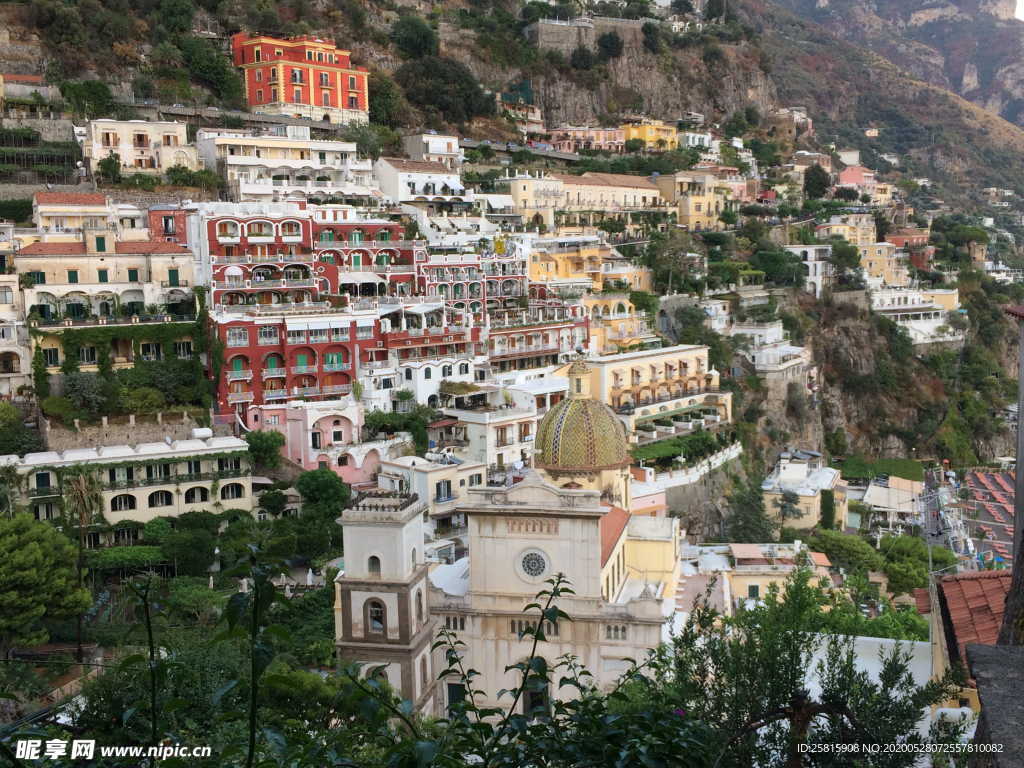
{"x": 172, "y": 277}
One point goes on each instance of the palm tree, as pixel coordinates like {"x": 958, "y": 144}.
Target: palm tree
{"x": 83, "y": 506}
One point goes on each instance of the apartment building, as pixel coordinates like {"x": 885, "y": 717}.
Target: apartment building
{"x": 304, "y": 77}
{"x": 499, "y": 425}
{"x": 537, "y": 337}
{"x": 856, "y": 228}
{"x": 474, "y": 280}
{"x": 142, "y": 146}
{"x": 650, "y": 384}
{"x": 803, "y": 476}
{"x": 568, "y": 263}
{"x": 655, "y": 134}
{"x": 15, "y": 354}
{"x": 700, "y": 198}
{"x": 925, "y": 315}
{"x": 884, "y": 265}
{"x": 815, "y": 261}
{"x": 286, "y": 165}
{"x": 433, "y": 147}
{"x": 421, "y": 183}
{"x": 574, "y": 139}
{"x": 140, "y": 482}
{"x": 616, "y": 325}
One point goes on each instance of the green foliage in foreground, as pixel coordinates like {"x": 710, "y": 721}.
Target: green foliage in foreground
{"x": 731, "y": 691}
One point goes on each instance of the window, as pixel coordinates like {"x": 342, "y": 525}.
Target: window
{"x": 122, "y": 503}
{"x": 443, "y": 491}
{"x": 51, "y": 356}
{"x": 298, "y": 96}
{"x": 476, "y": 479}
{"x": 183, "y": 349}
{"x": 325, "y": 79}
{"x": 352, "y": 82}
{"x": 446, "y": 371}
{"x": 45, "y": 511}
{"x": 325, "y": 98}
{"x": 297, "y": 76}
{"x": 256, "y": 54}
{"x": 259, "y": 75}
{"x": 408, "y": 374}
{"x": 376, "y": 617}
{"x": 426, "y": 373}
{"x": 419, "y": 600}
{"x": 160, "y": 499}
{"x": 268, "y": 335}
{"x": 120, "y": 475}
{"x": 72, "y": 276}
{"x": 158, "y": 471}
{"x": 318, "y": 336}
{"x": 373, "y": 566}
{"x": 753, "y": 591}
{"x": 455, "y": 622}
{"x": 151, "y": 351}
{"x": 339, "y": 334}
{"x": 423, "y": 670}
{"x": 196, "y": 495}
{"x": 101, "y": 247}
{"x": 126, "y": 536}
{"x": 229, "y": 465}
{"x": 296, "y": 337}
{"x": 42, "y": 479}
{"x": 259, "y": 94}
{"x": 536, "y": 703}
{"x": 195, "y": 467}
{"x": 273, "y": 94}
{"x": 364, "y": 332}
{"x": 343, "y": 461}
{"x": 6, "y": 295}
{"x": 456, "y": 695}
{"x": 133, "y": 275}
{"x": 353, "y": 102}
{"x": 238, "y": 337}
{"x": 463, "y": 368}
{"x": 314, "y": 439}
{"x": 232, "y": 491}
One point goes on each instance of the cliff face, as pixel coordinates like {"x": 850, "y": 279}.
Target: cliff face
{"x": 972, "y": 47}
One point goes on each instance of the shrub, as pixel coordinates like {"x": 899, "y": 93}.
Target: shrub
{"x": 142, "y": 400}
{"x": 60, "y": 408}
{"x": 413, "y": 37}
{"x": 610, "y": 45}
{"x": 437, "y": 83}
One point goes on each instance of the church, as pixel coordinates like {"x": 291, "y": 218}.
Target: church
{"x": 568, "y": 516}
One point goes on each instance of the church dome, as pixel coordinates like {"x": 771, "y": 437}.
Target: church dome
{"x": 581, "y": 435}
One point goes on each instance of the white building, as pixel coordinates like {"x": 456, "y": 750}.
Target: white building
{"x": 719, "y": 315}
{"x": 924, "y": 314}
{"x": 432, "y": 147}
{"x": 420, "y": 182}
{"x": 290, "y": 165}
{"x": 815, "y": 260}
{"x": 500, "y": 425}
{"x": 15, "y": 355}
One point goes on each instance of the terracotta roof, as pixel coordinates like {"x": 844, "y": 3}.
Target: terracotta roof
{"x": 447, "y": 422}
{"x": 417, "y": 166}
{"x": 69, "y": 198}
{"x": 820, "y": 558}
{"x": 973, "y": 607}
{"x": 1017, "y": 312}
{"x": 150, "y": 246}
{"x": 612, "y": 525}
{"x": 74, "y": 249}
{"x": 22, "y": 78}
{"x": 924, "y": 603}
{"x": 591, "y": 178}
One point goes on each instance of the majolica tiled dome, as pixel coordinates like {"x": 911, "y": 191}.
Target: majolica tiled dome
{"x": 581, "y": 435}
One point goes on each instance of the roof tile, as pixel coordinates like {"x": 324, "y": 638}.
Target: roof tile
{"x": 974, "y": 602}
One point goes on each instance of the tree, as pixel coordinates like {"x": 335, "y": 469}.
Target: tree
{"x": 682, "y": 6}
{"x": 748, "y": 521}
{"x": 191, "y": 551}
{"x": 729, "y": 218}
{"x": 846, "y": 550}
{"x": 651, "y": 36}
{"x": 273, "y": 502}
{"x": 387, "y": 102}
{"x": 582, "y": 58}
{"x": 443, "y": 85}
{"x": 634, "y": 145}
{"x": 323, "y": 489}
{"x": 15, "y": 437}
{"x": 413, "y": 37}
{"x": 109, "y": 168}
{"x": 86, "y": 391}
{"x": 788, "y": 506}
{"x": 865, "y": 198}
{"x": 816, "y": 182}
{"x": 848, "y": 194}
{"x": 845, "y": 256}
{"x": 828, "y": 508}
{"x": 37, "y": 581}
{"x": 265, "y": 447}
{"x": 610, "y": 45}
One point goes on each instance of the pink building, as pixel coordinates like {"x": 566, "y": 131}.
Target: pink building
{"x": 858, "y": 177}
{"x": 569, "y": 139}
{"x": 325, "y": 435}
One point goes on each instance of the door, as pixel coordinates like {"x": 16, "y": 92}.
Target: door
{"x": 236, "y": 364}
{"x": 172, "y": 278}
{"x": 301, "y": 360}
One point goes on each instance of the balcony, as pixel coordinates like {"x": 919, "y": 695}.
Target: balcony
{"x": 275, "y": 394}
{"x": 337, "y": 389}
{"x": 174, "y": 283}
{"x": 243, "y": 375}
{"x": 228, "y": 239}
{"x": 260, "y": 239}
{"x": 268, "y": 342}
{"x": 331, "y": 367}
{"x": 270, "y": 373}
{"x": 240, "y": 397}
{"x": 304, "y": 307}
{"x": 305, "y": 391}
{"x": 43, "y": 492}
{"x": 530, "y": 351}
{"x": 304, "y": 369}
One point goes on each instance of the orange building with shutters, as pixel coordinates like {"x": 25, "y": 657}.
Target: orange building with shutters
{"x": 301, "y": 77}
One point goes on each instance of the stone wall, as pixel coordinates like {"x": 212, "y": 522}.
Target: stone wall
{"x": 49, "y": 130}
{"x": 567, "y": 36}
{"x": 129, "y": 430}
{"x": 26, "y": 191}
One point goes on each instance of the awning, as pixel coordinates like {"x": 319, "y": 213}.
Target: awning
{"x": 366, "y": 322}
{"x": 360, "y": 277}
{"x": 746, "y": 551}
{"x": 308, "y": 325}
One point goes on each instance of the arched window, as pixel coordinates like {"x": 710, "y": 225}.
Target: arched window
{"x": 419, "y": 606}
{"x": 376, "y": 617}
{"x": 423, "y": 670}
{"x": 232, "y": 491}
{"x": 408, "y": 374}
{"x": 196, "y": 495}
{"x": 160, "y": 499}
{"x": 446, "y": 371}
{"x": 414, "y": 557}
{"x": 122, "y": 503}
{"x": 426, "y": 373}
{"x": 463, "y": 368}
{"x": 373, "y": 566}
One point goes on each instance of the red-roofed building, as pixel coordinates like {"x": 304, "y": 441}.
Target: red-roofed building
{"x": 969, "y": 610}
{"x": 301, "y": 77}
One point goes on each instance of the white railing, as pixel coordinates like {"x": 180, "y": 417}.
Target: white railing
{"x": 239, "y": 375}
{"x": 240, "y": 397}
{"x": 304, "y": 369}
{"x": 269, "y": 373}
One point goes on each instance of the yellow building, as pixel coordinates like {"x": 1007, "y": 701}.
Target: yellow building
{"x": 616, "y": 325}
{"x": 142, "y": 146}
{"x": 701, "y": 198}
{"x": 569, "y": 262}
{"x": 671, "y": 382}
{"x": 655, "y": 134}
{"x": 855, "y": 228}
{"x": 884, "y": 263}
{"x": 793, "y": 491}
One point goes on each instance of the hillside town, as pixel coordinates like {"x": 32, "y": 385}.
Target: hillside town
{"x": 473, "y": 408}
